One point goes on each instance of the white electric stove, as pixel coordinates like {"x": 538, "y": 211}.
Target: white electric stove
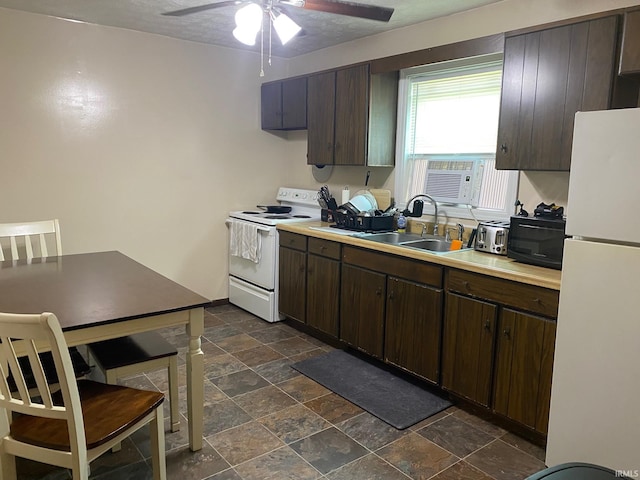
{"x": 253, "y": 286}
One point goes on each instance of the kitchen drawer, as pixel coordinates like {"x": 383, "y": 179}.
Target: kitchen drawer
{"x": 324, "y": 248}
{"x": 293, "y": 240}
{"x": 530, "y": 298}
{"x": 401, "y": 267}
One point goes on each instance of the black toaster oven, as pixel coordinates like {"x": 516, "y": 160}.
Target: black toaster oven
{"x": 537, "y": 240}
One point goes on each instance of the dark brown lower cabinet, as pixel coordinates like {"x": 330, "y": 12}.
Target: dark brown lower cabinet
{"x": 413, "y": 327}
{"x": 467, "y": 359}
{"x": 323, "y": 294}
{"x": 362, "y": 309}
{"x": 524, "y": 363}
{"x": 292, "y": 278}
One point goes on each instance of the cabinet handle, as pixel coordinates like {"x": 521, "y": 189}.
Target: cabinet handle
{"x": 465, "y": 284}
{"x": 507, "y": 332}
{"x": 537, "y": 301}
{"x": 302, "y": 269}
{"x": 487, "y": 325}
{"x": 323, "y": 248}
{"x": 503, "y": 148}
{"x": 391, "y": 295}
{"x": 379, "y": 292}
{"x": 329, "y": 146}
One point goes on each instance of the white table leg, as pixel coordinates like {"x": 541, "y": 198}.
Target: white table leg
{"x": 195, "y": 378}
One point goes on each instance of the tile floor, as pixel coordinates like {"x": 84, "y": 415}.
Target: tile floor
{"x": 263, "y": 420}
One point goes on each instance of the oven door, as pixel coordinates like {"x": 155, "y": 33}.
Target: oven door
{"x": 264, "y": 273}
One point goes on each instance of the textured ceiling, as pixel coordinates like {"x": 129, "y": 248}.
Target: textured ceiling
{"x": 214, "y": 26}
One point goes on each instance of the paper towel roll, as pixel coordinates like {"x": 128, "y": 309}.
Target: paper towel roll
{"x": 345, "y": 196}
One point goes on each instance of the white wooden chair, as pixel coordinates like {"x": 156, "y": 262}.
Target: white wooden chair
{"x": 29, "y": 232}
{"x": 25, "y": 238}
{"x": 77, "y": 424}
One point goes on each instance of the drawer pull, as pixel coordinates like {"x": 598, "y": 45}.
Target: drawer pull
{"x": 507, "y": 333}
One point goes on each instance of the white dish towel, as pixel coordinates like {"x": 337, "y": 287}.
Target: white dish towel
{"x": 246, "y": 241}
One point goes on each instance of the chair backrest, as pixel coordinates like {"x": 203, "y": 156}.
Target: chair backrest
{"x": 29, "y": 232}
{"x": 27, "y": 336}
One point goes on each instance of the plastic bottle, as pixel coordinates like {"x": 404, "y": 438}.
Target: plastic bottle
{"x": 402, "y": 223}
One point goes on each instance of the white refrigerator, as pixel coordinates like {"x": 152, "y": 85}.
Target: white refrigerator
{"x": 595, "y": 395}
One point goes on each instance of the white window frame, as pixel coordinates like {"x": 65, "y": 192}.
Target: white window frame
{"x": 444, "y": 209}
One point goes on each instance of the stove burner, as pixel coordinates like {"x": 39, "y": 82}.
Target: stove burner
{"x": 252, "y": 213}
{"x": 301, "y": 216}
{"x": 278, "y": 217}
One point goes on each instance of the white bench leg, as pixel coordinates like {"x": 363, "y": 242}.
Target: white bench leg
{"x": 173, "y": 393}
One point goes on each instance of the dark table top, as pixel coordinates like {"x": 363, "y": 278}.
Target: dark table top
{"x": 91, "y": 289}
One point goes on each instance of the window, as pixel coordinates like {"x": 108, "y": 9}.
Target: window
{"x": 448, "y": 127}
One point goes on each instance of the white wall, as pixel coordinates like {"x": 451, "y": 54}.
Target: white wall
{"x": 136, "y": 142}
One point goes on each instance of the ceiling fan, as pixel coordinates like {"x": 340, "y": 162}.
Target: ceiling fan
{"x": 250, "y": 16}
{"x": 340, "y": 7}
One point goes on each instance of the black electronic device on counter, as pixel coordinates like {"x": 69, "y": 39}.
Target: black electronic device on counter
{"x": 537, "y": 240}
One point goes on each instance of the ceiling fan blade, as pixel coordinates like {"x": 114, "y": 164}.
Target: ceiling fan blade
{"x": 352, "y": 9}
{"x": 201, "y": 8}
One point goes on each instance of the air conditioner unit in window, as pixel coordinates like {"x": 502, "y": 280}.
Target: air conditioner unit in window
{"x": 455, "y": 181}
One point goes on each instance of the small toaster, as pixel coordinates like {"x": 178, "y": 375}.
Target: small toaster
{"x": 492, "y": 237}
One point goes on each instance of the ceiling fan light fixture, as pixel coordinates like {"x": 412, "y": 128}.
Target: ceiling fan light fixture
{"x": 285, "y": 27}
{"x": 249, "y": 17}
{"x": 244, "y": 35}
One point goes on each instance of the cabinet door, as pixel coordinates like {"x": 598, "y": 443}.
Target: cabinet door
{"x": 413, "y": 327}
{"x": 321, "y": 101}
{"x": 292, "y": 283}
{"x": 352, "y": 115}
{"x": 294, "y": 104}
{"x": 271, "y": 105}
{"x": 548, "y": 76}
{"x": 524, "y": 362}
{"x": 630, "y": 54}
{"x": 323, "y": 293}
{"x": 362, "y": 309}
{"x": 467, "y": 350}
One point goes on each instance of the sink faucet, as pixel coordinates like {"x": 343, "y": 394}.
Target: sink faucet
{"x": 460, "y": 229}
{"x": 414, "y": 213}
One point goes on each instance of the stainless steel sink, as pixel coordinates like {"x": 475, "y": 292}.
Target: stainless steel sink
{"x": 431, "y": 243}
{"x": 392, "y": 238}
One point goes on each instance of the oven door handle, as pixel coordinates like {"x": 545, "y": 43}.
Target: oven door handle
{"x": 262, "y": 229}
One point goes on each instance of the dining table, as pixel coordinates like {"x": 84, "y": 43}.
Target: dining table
{"x": 103, "y": 295}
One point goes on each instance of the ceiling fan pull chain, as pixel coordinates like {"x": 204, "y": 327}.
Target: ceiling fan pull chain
{"x": 262, "y": 48}
{"x": 270, "y": 32}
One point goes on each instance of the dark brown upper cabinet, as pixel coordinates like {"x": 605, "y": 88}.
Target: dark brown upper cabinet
{"x": 630, "y": 52}
{"x": 352, "y": 117}
{"x": 284, "y": 104}
{"x": 548, "y": 76}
